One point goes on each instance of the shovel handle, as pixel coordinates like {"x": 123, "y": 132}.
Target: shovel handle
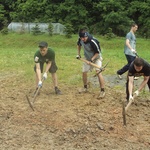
{"x": 123, "y": 113}
{"x": 130, "y": 102}
{"x": 92, "y": 64}
{"x": 37, "y": 91}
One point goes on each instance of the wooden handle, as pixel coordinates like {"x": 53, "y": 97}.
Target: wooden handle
{"x": 92, "y": 64}
{"x": 130, "y": 102}
{"x": 37, "y": 91}
{"x": 123, "y": 113}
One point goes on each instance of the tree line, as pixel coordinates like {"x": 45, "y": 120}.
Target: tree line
{"x": 98, "y": 16}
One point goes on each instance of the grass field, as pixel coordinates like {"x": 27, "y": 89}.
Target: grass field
{"x": 17, "y": 51}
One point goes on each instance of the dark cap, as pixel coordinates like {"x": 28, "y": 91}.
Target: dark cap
{"x": 83, "y": 34}
{"x": 43, "y": 44}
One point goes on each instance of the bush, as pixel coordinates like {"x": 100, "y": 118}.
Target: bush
{"x": 4, "y": 31}
{"x": 50, "y": 29}
{"x": 69, "y": 30}
{"x": 36, "y": 30}
{"x": 109, "y": 35}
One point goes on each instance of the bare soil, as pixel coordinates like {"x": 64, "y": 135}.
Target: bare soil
{"x": 71, "y": 121}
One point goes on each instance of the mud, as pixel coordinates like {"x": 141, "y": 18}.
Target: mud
{"x": 72, "y": 121}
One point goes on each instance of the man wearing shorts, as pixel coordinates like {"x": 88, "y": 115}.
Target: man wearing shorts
{"x": 45, "y": 55}
{"x": 92, "y": 53}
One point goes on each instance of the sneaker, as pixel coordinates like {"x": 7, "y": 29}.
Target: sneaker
{"x": 136, "y": 78}
{"x": 83, "y": 90}
{"x": 119, "y": 76}
{"x": 57, "y": 91}
{"x": 102, "y": 94}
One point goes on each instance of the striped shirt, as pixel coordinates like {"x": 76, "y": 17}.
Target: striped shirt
{"x": 91, "y": 47}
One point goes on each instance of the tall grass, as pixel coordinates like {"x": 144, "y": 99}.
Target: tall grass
{"x": 17, "y": 51}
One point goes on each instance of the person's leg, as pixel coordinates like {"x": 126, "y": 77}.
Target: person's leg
{"x": 148, "y": 83}
{"x": 84, "y": 78}
{"x": 100, "y": 79}
{"x": 126, "y": 67}
{"x": 54, "y": 79}
{"x": 53, "y": 70}
{"x": 99, "y": 75}
{"x": 55, "y": 83}
{"x": 85, "y": 69}
{"x": 102, "y": 85}
{"x": 127, "y": 90}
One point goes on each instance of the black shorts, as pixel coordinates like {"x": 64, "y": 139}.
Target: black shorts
{"x": 52, "y": 69}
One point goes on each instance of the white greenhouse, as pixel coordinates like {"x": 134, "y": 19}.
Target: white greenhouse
{"x": 27, "y": 27}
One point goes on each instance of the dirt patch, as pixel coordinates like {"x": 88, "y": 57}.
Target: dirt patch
{"x": 72, "y": 121}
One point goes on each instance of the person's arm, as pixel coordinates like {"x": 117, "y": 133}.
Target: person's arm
{"x": 78, "y": 50}
{"x": 130, "y": 85}
{"x": 96, "y": 48}
{"x": 48, "y": 65}
{"x": 94, "y": 56}
{"x": 129, "y": 46}
{"x": 38, "y": 71}
{"x": 142, "y": 85}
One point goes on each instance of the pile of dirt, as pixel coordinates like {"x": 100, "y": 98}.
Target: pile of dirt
{"x": 72, "y": 121}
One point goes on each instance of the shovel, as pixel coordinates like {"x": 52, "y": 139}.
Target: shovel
{"x": 94, "y": 65}
{"x": 34, "y": 96}
{"x": 125, "y": 108}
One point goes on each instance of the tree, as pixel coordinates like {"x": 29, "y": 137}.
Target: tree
{"x": 68, "y": 30}
{"x": 50, "y": 29}
{"x": 6, "y": 7}
{"x": 2, "y": 16}
{"x": 113, "y": 15}
{"x": 140, "y": 13}
{"x": 97, "y": 15}
{"x": 5, "y": 29}
{"x": 36, "y": 30}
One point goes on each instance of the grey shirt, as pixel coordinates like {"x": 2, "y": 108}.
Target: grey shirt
{"x": 90, "y": 48}
{"x": 132, "y": 40}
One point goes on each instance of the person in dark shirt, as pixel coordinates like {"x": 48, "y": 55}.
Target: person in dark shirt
{"x": 139, "y": 67}
{"x": 45, "y": 55}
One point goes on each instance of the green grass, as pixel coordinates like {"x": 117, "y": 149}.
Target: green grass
{"x": 17, "y": 51}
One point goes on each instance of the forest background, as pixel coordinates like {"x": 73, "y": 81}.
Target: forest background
{"x": 99, "y": 16}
